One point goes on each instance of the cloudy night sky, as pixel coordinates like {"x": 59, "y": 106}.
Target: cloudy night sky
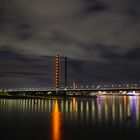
{"x": 101, "y": 39}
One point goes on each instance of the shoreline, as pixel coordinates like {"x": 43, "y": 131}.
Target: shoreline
{"x": 43, "y": 97}
{"x": 7, "y": 96}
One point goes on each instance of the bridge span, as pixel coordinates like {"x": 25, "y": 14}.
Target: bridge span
{"x": 69, "y": 91}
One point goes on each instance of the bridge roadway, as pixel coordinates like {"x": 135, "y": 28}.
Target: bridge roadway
{"x": 69, "y": 90}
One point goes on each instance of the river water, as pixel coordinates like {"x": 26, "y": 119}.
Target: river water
{"x": 70, "y": 119}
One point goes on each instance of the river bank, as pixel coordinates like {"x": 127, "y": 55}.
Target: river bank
{"x": 8, "y": 96}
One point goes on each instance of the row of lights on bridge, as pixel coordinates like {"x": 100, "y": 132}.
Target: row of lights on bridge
{"x": 70, "y": 87}
{"x": 57, "y": 73}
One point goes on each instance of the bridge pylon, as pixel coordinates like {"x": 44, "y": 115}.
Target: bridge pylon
{"x": 57, "y": 62}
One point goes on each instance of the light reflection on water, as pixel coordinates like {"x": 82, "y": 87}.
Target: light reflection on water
{"x": 104, "y": 108}
{"x": 56, "y": 122}
{"x": 114, "y": 111}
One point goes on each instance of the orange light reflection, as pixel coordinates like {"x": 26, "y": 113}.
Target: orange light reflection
{"x": 74, "y": 108}
{"x": 56, "y": 122}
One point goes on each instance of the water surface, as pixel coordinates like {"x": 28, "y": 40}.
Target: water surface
{"x": 70, "y": 119}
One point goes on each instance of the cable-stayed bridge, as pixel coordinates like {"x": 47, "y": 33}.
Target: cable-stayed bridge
{"x": 74, "y": 89}
{"x": 80, "y": 90}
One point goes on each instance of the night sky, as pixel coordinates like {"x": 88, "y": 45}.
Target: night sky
{"x": 101, "y": 39}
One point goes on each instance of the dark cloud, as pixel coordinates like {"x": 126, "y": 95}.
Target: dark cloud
{"x": 18, "y": 70}
{"x": 25, "y": 70}
{"x": 49, "y": 27}
{"x": 133, "y": 55}
{"x": 13, "y": 21}
{"x": 23, "y": 31}
{"x": 94, "y": 6}
{"x": 61, "y": 38}
{"x": 133, "y": 9}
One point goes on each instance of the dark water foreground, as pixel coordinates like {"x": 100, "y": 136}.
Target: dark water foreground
{"x": 106, "y": 117}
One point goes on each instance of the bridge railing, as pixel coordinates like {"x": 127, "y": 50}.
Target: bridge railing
{"x": 81, "y": 87}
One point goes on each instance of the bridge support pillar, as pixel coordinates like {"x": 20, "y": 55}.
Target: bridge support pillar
{"x": 57, "y": 73}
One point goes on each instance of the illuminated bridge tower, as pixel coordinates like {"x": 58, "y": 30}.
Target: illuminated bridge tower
{"x": 57, "y": 73}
